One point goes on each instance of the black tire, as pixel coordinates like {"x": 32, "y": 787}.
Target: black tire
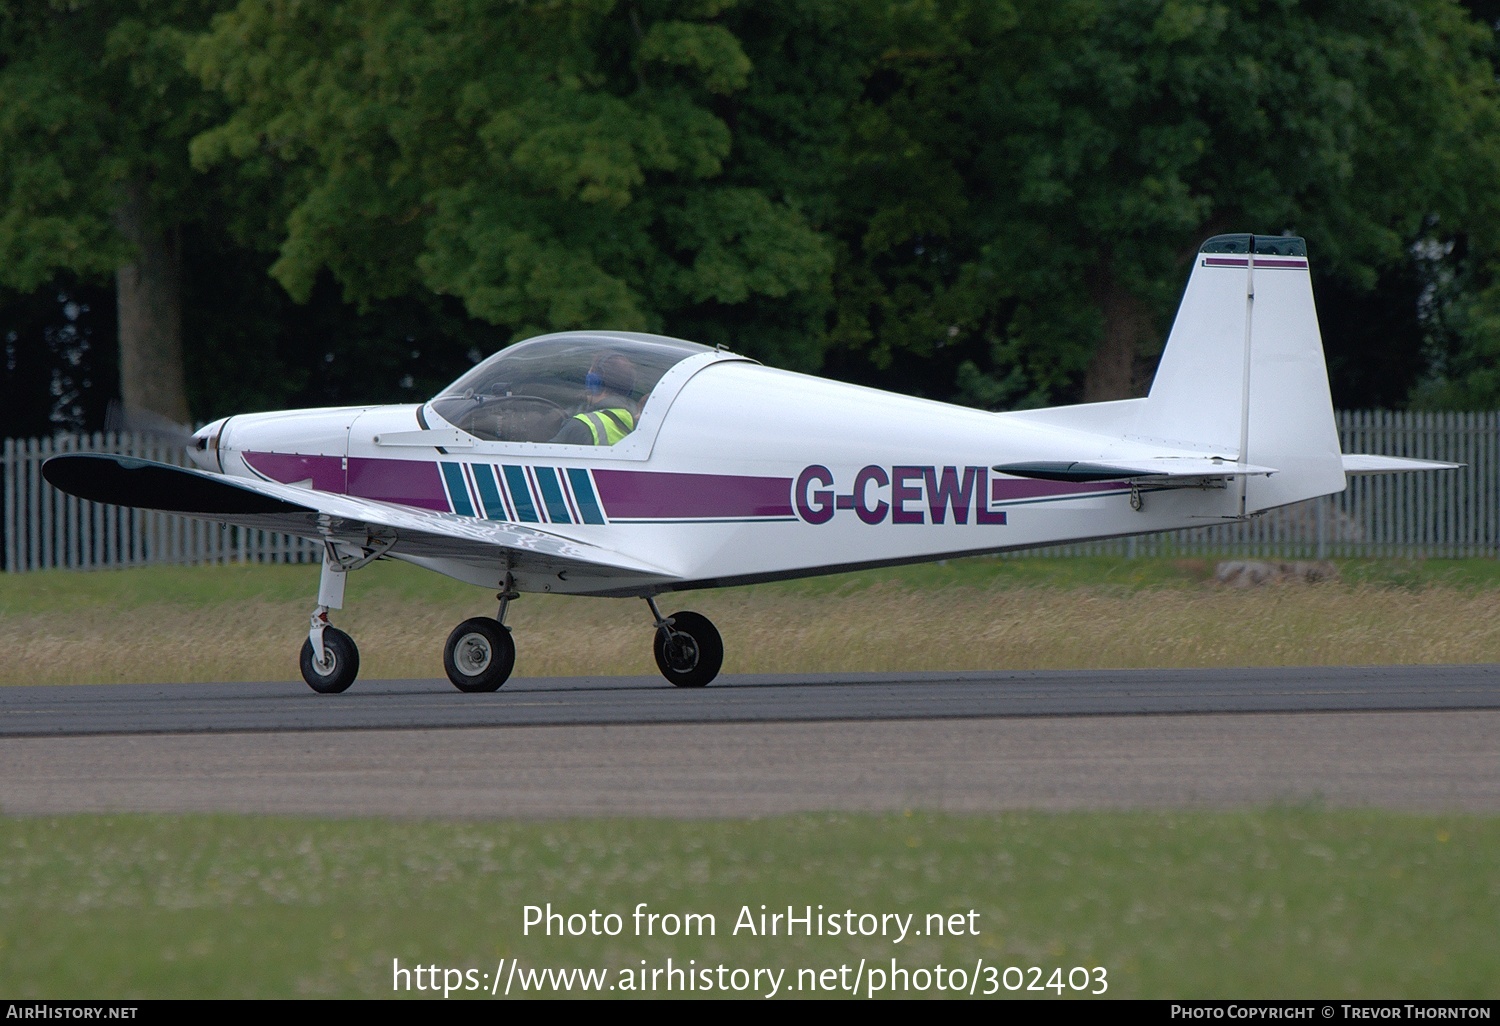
{"x": 690, "y": 652}
{"x": 344, "y": 655}
{"x": 479, "y": 655}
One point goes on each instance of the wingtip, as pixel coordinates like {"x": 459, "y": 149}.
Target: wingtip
{"x": 143, "y": 484}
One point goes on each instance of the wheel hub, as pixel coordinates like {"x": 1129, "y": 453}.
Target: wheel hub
{"x": 682, "y": 651}
{"x": 472, "y": 654}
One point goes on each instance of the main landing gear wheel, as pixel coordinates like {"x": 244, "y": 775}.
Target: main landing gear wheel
{"x": 479, "y": 655}
{"x": 690, "y": 651}
{"x": 340, "y": 663}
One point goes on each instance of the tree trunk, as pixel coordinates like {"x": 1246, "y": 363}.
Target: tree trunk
{"x": 1128, "y": 324}
{"x": 148, "y": 295}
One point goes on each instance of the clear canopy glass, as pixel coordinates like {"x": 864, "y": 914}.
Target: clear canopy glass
{"x": 527, "y": 392}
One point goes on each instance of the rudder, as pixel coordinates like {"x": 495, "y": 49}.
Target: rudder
{"x": 1248, "y": 313}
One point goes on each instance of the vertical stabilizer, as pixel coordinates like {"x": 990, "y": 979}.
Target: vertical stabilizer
{"x": 1242, "y": 375}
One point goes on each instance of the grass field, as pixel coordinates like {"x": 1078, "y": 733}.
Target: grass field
{"x": 1269, "y": 903}
{"x": 1281, "y": 902}
{"x": 248, "y": 622}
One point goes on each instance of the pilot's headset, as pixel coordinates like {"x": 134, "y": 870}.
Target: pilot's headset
{"x": 610, "y": 372}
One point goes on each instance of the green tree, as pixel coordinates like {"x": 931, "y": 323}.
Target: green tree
{"x": 552, "y": 166}
{"x": 96, "y": 110}
{"x": 1036, "y": 177}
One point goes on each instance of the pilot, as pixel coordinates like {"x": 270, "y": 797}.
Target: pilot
{"x": 608, "y": 414}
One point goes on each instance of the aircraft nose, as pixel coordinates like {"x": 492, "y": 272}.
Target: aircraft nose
{"x": 203, "y": 448}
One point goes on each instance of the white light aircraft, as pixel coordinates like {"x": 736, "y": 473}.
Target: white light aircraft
{"x": 621, "y": 464}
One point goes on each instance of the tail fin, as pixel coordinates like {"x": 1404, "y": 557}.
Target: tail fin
{"x": 1242, "y": 381}
{"x": 1242, "y": 375}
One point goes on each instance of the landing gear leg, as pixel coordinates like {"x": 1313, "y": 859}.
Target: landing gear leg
{"x": 479, "y": 655}
{"x": 688, "y": 648}
{"x": 330, "y": 659}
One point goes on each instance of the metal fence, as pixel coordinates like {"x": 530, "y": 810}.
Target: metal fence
{"x": 1436, "y": 514}
{"x": 45, "y": 528}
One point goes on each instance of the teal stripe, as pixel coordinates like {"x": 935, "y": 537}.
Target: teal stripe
{"x": 520, "y": 494}
{"x": 557, "y": 506}
{"x": 489, "y": 492}
{"x": 583, "y": 491}
{"x": 453, "y": 474}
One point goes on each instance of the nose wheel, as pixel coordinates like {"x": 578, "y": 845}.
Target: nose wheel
{"x": 688, "y": 648}
{"x": 338, "y": 667}
{"x": 330, "y": 659}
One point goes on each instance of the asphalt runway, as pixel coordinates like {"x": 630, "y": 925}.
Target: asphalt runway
{"x": 1418, "y": 738}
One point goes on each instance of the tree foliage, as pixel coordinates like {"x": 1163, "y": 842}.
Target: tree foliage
{"x": 550, "y": 165}
{"x": 96, "y": 109}
{"x": 982, "y": 199}
{"x": 1085, "y": 148}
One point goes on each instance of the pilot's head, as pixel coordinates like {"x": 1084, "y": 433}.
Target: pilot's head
{"x": 610, "y": 373}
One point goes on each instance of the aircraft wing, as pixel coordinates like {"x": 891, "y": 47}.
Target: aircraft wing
{"x": 125, "y": 481}
{"x": 1172, "y": 468}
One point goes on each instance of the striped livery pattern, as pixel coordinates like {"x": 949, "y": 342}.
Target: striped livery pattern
{"x": 522, "y": 494}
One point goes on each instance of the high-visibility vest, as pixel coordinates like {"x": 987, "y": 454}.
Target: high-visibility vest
{"x": 608, "y": 426}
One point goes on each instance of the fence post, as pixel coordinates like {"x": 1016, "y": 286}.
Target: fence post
{"x": 9, "y": 484}
{"x": 37, "y": 556}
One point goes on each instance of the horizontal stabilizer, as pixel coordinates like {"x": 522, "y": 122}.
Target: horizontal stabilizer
{"x": 1360, "y": 463}
{"x": 1127, "y": 470}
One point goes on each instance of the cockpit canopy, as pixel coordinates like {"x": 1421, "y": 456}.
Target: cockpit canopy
{"x": 528, "y": 391}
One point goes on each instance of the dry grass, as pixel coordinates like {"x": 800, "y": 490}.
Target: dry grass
{"x": 885, "y": 626}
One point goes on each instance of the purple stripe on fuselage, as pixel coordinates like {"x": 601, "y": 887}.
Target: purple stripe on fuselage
{"x": 326, "y": 473}
{"x": 630, "y": 494}
{"x": 408, "y": 482}
{"x": 1271, "y": 262}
